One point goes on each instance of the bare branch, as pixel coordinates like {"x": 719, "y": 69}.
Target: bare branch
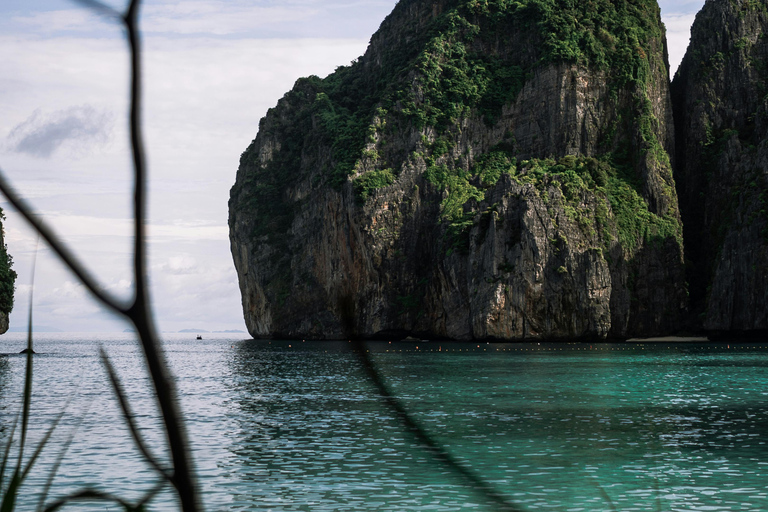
{"x": 66, "y": 256}
{"x": 140, "y": 312}
{"x": 473, "y": 481}
{"x": 59, "y": 459}
{"x": 100, "y": 8}
{"x": 128, "y": 415}
{"x": 88, "y": 494}
{"x": 137, "y": 147}
{"x": 7, "y": 450}
{"x": 151, "y": 494}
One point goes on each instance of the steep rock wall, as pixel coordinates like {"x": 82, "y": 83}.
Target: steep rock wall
{"x": 7, "y": 282}
{"x": 476, "y": 174}
{"x": 721, "y": 110}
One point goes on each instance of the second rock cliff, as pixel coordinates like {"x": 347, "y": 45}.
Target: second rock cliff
{"x": 721, "y": 103}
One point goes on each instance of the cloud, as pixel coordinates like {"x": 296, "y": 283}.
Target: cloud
{"x": 219, "y": 18}
{"x": 178, "y": 231}
{"x": 61, "y": 20}
{"x": 40, "y": 135}
{"x": 299, "y": 18}
{"x": 180, "y": 265}
{"x": 196, "y": 290}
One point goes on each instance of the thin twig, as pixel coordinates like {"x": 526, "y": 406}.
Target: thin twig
{"x": 152, "y": 493}
{"x": 91, "y": 494}
{"x": 473, "y": 481}
{"x": 28, "y": 373}
{"x": 128, "y": 416}
{"x": 60, "y": 459}
{"x": 7, "y": 451}
{"x": 100, "y": 8}
{"x": 346, "y": 308}
{"x": 63, "y": 252}
{"x": 88, "y": 494}
{"x": 140, "y": 312}
{"x": 43, "y": 442}
{"x": 594, "y": 481}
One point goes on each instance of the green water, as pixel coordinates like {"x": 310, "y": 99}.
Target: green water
{"x": 291, "y": 426}
{"x": 554, "y": 427}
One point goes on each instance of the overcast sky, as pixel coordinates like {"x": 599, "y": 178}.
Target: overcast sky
{"x": 212, "y": 69}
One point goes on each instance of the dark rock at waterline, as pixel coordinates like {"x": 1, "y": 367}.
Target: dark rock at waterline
{"x": 464, "y": 180}
{"x": 27, "y": 351}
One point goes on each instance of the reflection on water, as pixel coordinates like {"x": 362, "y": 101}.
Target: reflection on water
{"x": 287, "y": 426}
{"x": 314, "y": 436}
{"x": 553, "y": 429}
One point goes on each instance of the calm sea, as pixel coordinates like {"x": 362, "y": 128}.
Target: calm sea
{"x": 287, "y": 426}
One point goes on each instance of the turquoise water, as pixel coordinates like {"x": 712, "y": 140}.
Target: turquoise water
{"x": 289, "y": 426}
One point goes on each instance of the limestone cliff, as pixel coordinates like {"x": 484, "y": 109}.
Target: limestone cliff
{"x": 7, "y": 281}
{"x": 487, "y": 170}
{"x": 721, "y": 110}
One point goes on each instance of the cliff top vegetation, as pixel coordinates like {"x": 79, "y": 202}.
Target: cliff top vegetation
{"x": 471, "y": 59}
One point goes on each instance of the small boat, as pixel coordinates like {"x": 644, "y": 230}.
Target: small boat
{"x": 199, "y": 337}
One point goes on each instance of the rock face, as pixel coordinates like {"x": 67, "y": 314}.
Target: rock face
{"x": 7, "y": 282}
{"x": 482, "y": 172}
{"x": 721, "y": 116}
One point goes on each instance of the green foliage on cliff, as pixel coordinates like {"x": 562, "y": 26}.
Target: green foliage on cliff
{"x": 577, "y": 179}
{"x": 454, "y": 74}
{"x": 371, "y": 181}
{"x": 614, "y": 36}
{"x": 452, "y": 81}
{"x": 458, "y": 74}
{"x": 469, "y": 61}
{"x": 453, "y": 78}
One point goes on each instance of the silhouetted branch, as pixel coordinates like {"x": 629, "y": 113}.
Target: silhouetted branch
{"x": 346, "y": 307}
{"x": 100, "y": 8}
{"x": 27, "y": 397}
{"x": 128, "y": 415}
{"x": 603, "y": 493}
{"x": 89, "y": 494}
{"x": 43, "y": 442}
{"x": 472, "y": 480}
{"x": 61, "y": 250}
{"x": 57, "y": 463}
{"x": 138, "y": 310}
{"x": 140, "y": 313}
{"x": 7, "y": 451}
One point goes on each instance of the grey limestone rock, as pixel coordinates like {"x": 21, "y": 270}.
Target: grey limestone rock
{"x": 721, "y": 115}
{"x": 588, "y": 248}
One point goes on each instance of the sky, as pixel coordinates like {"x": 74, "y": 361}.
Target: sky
{"x": 212, "y": 68}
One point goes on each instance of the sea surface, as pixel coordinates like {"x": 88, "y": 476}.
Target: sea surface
{"x": 297, "y": 426}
